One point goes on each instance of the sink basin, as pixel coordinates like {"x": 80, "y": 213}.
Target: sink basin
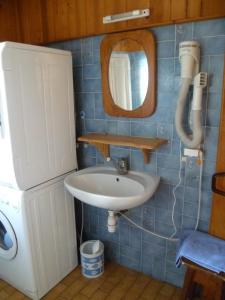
{"x": 103, "y": 187}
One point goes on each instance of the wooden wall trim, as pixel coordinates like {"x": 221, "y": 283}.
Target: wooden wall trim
{"x": 43, "y": 21}
{"x": 217, "y": 222}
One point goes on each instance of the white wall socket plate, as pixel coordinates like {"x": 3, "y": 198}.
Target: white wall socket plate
{"x": 191, "y": 152}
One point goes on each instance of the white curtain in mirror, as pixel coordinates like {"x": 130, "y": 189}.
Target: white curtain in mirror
{"x": 120, "y": 80}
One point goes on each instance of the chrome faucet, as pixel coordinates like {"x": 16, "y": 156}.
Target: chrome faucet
{"x": 121, "y": 164}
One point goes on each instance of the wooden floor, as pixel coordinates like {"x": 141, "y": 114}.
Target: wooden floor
{"x": 116, "y": 283}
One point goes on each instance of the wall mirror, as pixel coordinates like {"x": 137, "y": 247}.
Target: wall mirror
{"x": 128, "y": 74}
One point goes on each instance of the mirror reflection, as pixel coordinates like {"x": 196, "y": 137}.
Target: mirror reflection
{"x": 128, "y": 74}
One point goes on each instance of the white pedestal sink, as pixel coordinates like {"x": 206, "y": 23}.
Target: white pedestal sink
{"x": 103, "y": 187}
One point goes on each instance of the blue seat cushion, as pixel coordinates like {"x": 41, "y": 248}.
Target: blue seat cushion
{"x": 202, "y": 249}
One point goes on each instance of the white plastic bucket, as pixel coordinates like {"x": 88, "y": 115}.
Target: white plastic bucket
{"x": 92, "y": 258}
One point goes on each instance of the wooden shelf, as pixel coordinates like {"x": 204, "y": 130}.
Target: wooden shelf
{"x": 102, "y": 141}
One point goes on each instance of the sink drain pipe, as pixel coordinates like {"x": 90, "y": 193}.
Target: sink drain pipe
{"x": 112, "y": 220}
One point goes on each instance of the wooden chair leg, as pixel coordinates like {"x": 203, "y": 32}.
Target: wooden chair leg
{"x": 188, "y": 287}
{"x": 213, "y": 285}
{"x": 220, "y": 291}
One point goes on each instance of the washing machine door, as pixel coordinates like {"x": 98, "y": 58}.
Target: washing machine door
{"x": 8, "y": 242}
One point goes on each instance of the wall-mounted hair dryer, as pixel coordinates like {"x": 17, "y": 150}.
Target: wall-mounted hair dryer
{"x": 189, "y": 53}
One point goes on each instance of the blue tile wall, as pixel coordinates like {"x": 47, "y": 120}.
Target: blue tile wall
{"x": 130, "y": 246}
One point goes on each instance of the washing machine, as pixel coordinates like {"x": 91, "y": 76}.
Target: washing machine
{"x": 37, "y": 237}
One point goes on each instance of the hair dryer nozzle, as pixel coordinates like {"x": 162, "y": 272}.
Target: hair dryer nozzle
{"x": 200, "y": 82}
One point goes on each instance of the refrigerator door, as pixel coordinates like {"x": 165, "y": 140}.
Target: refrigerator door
{"x": 37, "y": 114}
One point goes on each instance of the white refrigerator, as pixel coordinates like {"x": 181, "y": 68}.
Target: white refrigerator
{"x": 37, "y": 149}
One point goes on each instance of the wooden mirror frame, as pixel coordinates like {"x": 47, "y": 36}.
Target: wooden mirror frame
{"x": 146, "y": 40}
